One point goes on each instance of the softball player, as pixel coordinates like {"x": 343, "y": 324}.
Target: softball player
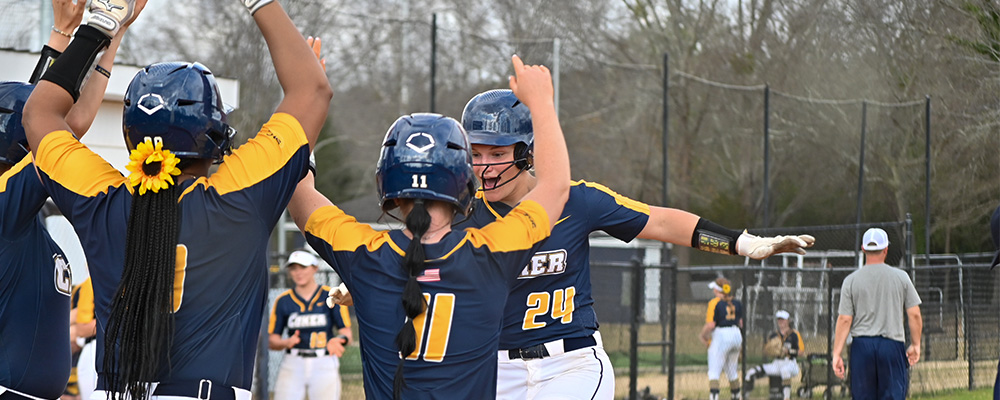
{"x": 317, "y": 335}
{"x": 550, "y": 346}
{"x": 37, "y": 282}
{"x": 192, "y": 251}
{"x": 453, "y": 283}
{"x": 86, "y": 332}
{"x": 784, "y": 364}
{"x": 721, "y": 334}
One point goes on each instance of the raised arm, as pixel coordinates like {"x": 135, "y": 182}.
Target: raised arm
{"x": 305, "y": 85}
{"x": 305, "y": 200}
{"x": 49, "y": 107}
{"x": 532, "y": 84}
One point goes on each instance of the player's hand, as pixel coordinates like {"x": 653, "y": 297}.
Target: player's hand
{"x": 838, "y": 366}
{"x": 293, "y": 340}
{"x": 66, "y": 15}
{"x": 913, "y": 354}
{"x": 759, "y": 248}
{"x": 316, "y": 44}
{"x": 335, "y": 347}
{"x": 339, "y": 295}
{"x": 110, "y": 15}
{"x": 532, "y": 84}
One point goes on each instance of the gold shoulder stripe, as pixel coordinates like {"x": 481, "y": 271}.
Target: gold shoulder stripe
{"x": 16, "y": 169}
{"x": 259, "y": 158}
{"x": 626, "y": 202}
{"x": 274, "y": 310}
{"x": 525, "y": 225}
{"x": 710, "y": 314}
{"x": 344, "y": 233}
{"x": 454, "y": 249}
{"x": 71, "y": 164}
{"x": 344, "y": 315}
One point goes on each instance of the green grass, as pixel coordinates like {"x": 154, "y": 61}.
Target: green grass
{"x": 978, "y": 394}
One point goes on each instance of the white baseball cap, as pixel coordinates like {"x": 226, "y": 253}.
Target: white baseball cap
{"x": 782, "y": 314}
{"x": 303, "y": 258}
{"x": 874, "y": 239}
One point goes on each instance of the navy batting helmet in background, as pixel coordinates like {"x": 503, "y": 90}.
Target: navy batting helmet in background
{"x": 425, "y": 156}
{"x": 180, "y": 103}
{"x": 497, "y": 118}
{"x": 13, "y": 142}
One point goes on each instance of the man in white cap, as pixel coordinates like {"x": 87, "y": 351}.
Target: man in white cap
{"x": 783, "y": 345}
{"x": 316, "y": 338}
{"x": 873, "y": 301}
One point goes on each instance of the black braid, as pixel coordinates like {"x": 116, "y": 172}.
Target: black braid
{"x": 141, "y": 326}
{"x": 414, "y": 304}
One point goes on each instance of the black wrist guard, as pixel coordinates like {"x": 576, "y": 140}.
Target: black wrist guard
{"x": 715, "y": 238}
{"x": 343, "y": 338}
{"x": 45, "y": 60}
{"x": 71, "y": 68}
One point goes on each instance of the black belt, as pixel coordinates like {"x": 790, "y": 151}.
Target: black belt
{"x": 203, "y": 389}
{"x": 307, "y": 353}
{"x": 539, "y": 350}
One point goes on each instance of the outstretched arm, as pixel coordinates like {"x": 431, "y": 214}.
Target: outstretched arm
{"x": 532, "y": 84}
{"x": 306, "y": 87}
{"x": 686, "y": 229}
{"x": 839, "y": 340}
{"x": 305, "y": 200}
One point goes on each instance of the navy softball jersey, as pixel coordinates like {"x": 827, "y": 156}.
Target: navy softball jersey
{"x": 724, "y": 313}
{"x": 315, "y": 322}
{"x": 551, "y": 296}
{"x": 220, "y": 284}
{"x": 35, "y": 285}
{"x": 465, "y": 284}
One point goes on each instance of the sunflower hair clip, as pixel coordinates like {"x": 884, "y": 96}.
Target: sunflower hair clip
{"x": 726, "y": 288}
{"x": 151, "y": 167}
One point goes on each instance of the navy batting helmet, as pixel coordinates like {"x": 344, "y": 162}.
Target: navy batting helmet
{"x": 498, "y": 118}
{"x": 425, "y": 156}
{"x": 180, "y": 103}
{"x": 13, "y": 142}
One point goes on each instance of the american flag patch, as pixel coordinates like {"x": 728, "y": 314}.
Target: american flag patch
{"x": 430, "y": 275}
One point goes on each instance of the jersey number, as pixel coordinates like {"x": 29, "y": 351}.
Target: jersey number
{"x": 317, "y": 340}
{"x": 180, "y": 271}
{"x": 730, "y": 312}
{"x": 538, "y": 304}
{"x": 420, "y": 181}
{"x": 63, "y": 275}
{"x": 437, "y": 330}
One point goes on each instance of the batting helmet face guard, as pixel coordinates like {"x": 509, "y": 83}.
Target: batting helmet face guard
{"x": 425, "y": 156}
{"x": 498, "y": 118}
{"x": 13, "y": 142}
{"x": 180, "y": 103}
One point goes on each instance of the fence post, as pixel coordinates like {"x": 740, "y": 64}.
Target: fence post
{"x": 673, "y": 327}
{"x": 829, "y": 329}
{"x": 969, "y": 343}
{"x": 633, "y": 361}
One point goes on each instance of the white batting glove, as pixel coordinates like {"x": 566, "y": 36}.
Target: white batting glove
{"x": 339, "y": 295}
{"x": 759, "y": 248}
{"x": 109, "y": 15}
{"x": 254, "y": 5}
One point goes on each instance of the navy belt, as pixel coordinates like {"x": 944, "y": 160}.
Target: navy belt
{"x": 539, "y": 350}
{"x": 203, "y": 389}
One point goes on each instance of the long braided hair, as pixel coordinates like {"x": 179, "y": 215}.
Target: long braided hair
{"x": 414, "y": 304}
{"x": 141, "y": 325}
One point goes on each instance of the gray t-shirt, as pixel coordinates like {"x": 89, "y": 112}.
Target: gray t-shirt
{"x": 877, "y": 296}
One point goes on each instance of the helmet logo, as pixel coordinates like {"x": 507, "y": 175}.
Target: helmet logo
{"x": 150, "y": 103}
{"x": 420, "y": 142}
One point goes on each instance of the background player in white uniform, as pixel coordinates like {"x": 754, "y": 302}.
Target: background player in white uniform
{"x": 721, "y": 334}
{"x": 783, "y": 345}
{"x": 316, "y": 335}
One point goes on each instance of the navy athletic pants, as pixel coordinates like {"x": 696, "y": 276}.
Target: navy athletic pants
{"x": 878, "y": 369}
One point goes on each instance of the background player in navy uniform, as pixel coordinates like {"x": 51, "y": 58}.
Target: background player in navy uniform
{"x": 36, "y": 283}
{"x": 448, "y": 335}
{"x": 82, "y": 335}
{"x": 316, "y": 338}
{"x": 191, "y": 254}
{"x": 550, "y": 345}
{"x": 721, "y": 334}
{"x": 784, "y": 345}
